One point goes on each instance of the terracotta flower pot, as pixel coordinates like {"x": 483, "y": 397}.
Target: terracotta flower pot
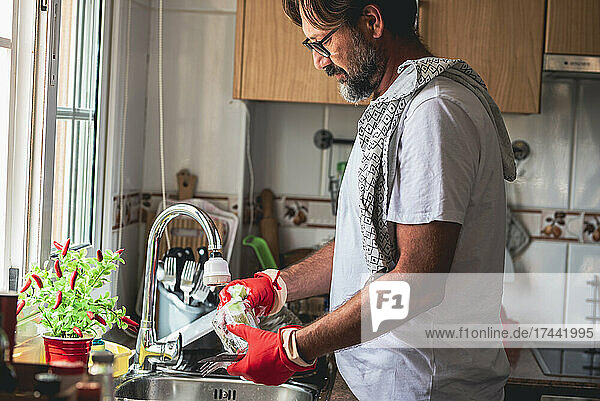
{"x": 67, "y": 349}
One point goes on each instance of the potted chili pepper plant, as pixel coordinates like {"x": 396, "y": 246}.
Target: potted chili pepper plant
{"x": 63, "y": 296}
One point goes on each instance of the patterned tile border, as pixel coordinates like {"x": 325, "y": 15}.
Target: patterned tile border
{"x": 575, "y": 226}
{"x": 560, "y": 225}
{"x": 132, "y": 210}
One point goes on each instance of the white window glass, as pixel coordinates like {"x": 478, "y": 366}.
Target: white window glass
{"x": 6, "y": 12}
{"x": 75, "y": 175}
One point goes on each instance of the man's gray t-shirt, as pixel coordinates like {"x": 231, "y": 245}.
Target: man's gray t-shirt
{"x": 448, "y": 169}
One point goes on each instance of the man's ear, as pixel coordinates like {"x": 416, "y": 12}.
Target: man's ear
{"x": 374, "y": 20}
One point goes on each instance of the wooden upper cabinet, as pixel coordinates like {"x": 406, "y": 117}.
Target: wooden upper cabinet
{"x": 573, "y": 27}
{"x": 501, "y": 40}
{"x": 270, "y": 61}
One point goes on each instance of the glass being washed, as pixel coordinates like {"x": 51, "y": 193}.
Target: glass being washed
{"x": 236, "y": 311}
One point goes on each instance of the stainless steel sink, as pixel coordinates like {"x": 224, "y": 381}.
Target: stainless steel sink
{"x": 170, "y": 385}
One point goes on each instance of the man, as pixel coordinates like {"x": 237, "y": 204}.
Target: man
{"x": 423, "y": 193}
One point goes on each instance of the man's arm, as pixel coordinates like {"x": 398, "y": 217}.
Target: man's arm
{"x": 312, "y": 276}
{"x": 424, "y": 248}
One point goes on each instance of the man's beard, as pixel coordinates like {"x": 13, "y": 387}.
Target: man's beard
{"x": 365, "y": 72}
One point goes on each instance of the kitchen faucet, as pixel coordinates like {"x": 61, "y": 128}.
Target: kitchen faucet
{"x": 149, "y": 351}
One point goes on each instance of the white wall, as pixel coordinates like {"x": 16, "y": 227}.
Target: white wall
{"x": 287, "y": 161}
{"x": 202, "y": 123}
{"x": 127, "y": 282}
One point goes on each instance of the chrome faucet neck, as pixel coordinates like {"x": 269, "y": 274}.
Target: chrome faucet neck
{"x": 148, "y": 350}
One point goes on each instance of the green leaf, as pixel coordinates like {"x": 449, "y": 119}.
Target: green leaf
{"x": 75, "y": 303}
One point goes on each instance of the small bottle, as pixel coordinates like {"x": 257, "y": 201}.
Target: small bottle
{"x": 102, "y": 373}
{"x": 88, "y": 391}
{"x": 8, "y": 377}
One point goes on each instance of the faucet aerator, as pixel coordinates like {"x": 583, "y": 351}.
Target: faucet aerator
{"x": 216, "y": 272}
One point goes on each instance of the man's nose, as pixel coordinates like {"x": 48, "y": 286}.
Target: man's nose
{"x": 320, "y": 61}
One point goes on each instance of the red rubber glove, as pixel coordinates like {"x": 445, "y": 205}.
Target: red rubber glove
{"x": 261, "y": 293}
{"x": 266, "y": 361}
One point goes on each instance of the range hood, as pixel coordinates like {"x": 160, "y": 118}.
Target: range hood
{"x": 571, "y": 63}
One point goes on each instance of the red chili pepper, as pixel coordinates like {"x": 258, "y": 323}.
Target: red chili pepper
{"x": 99, "y": 255}
{"x": 37, "y": 280}
{"x": 57, "y": 245}
{"x": 90, "y": 314}
{"x": 73, "y": 278}
{"x": 130, "y": 322}
{"x": 26, "y": 286}
{"x": 57, "y": 269}
{"x": 120, "y": 251}
{"x": 100, "y": 320}
{"x": 20, "y": 306}
{"x": 66, "y": 247}
{"x": 77, "y": 331}
{"x": 58, "y": 300}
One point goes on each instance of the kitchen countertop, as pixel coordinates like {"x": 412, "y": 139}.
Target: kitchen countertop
{"x": 526, "y": 371}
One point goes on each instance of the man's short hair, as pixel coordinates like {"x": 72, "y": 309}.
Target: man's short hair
{"x": 398, "y": 15}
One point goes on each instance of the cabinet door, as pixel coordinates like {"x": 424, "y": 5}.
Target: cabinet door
{"x": 501, "y": 40}
{"x": 573, "y": 27}
{"x": 271, "y": 63}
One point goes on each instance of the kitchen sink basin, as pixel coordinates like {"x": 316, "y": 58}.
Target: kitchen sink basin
{"x": 169, "y": 385}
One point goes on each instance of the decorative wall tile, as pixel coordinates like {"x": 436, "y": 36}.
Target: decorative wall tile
{"x": 591, "y": 228}
{"x": 131, "y": 212}
{"x": 560, "y": 224}
{"x": 304, "y": 212}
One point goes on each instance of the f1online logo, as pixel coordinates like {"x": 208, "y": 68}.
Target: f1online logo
{"x": 389, "y": 301}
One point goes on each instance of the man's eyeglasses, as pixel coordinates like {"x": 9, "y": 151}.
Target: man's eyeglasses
{"x": 319, "y": 45}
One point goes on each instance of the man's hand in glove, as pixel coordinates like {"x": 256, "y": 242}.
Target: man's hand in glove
{"x": 266, "y": 292}
{"x": 271, "y": 358}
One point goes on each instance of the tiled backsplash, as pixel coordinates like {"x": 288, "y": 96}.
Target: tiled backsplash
{"x": 563, "y": 169}
{"x": 557, "y": 195}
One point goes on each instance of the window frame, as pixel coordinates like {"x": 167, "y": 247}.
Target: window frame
{"x": 32, "y": 133}
{"x": 55, "y": 113}
{"x": 80, "y": 213}
{"x": 13, "y": 232}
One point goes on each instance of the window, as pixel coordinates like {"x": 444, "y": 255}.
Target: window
{"x": 49, "y": 158}
{"x": 75, "y": 155}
